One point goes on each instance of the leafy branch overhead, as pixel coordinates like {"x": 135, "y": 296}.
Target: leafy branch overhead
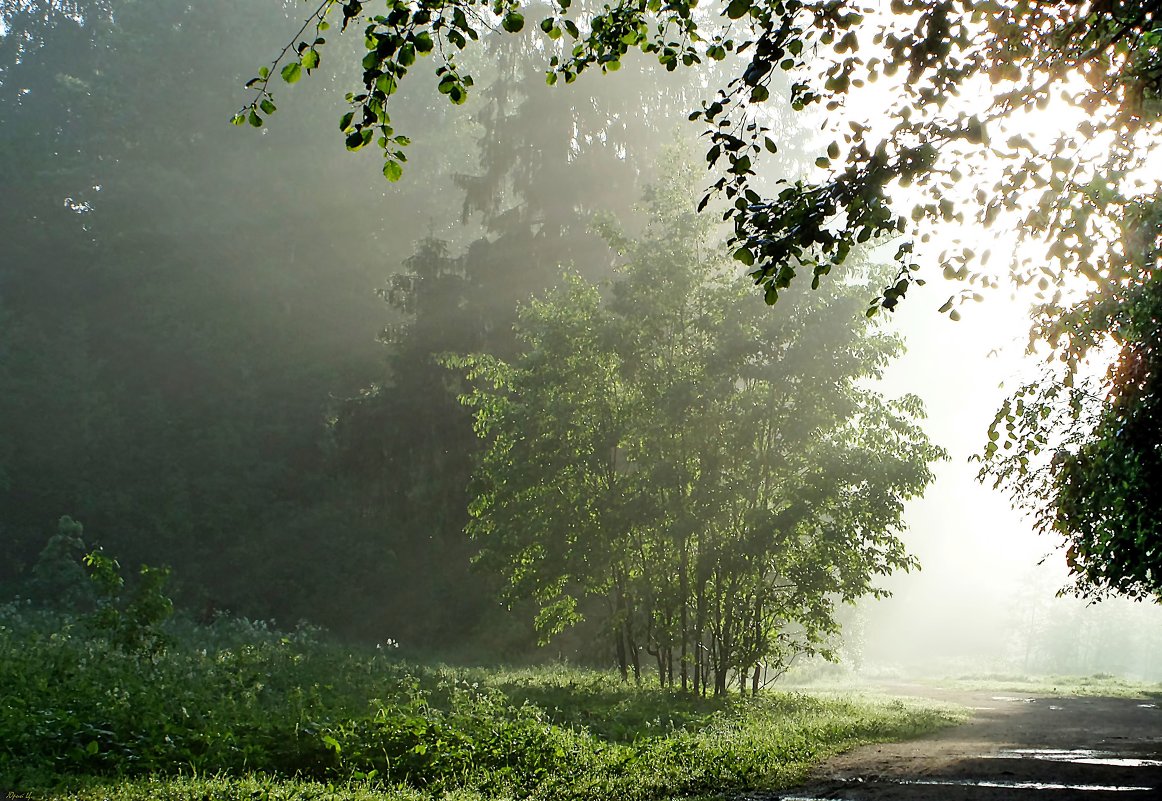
{"x": 958, "y": 71}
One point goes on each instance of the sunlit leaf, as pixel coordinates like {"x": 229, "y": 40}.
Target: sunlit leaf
{"x": 292, "y": 72}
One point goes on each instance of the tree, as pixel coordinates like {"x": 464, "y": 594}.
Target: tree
{"x": 404, "y": 442}
{"x": 167, "y": 351}
{"x": 960, "y": 141}
{"x": 1084, "y": 455}
{"x": 697, "y": 464}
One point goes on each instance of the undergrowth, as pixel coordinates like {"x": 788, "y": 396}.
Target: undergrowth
{"x": 237, "y": 710}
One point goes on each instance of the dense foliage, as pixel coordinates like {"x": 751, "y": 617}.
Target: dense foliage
{"x": 188, "y": 368}
{"x": 1032, "y": 118}
{"x": 1084, "y": 457}
{"x": 694, "y": 461}
{"x": 167, "y": 354}
{"x": 194, "y": 362}
{"x": 236, "y": 698}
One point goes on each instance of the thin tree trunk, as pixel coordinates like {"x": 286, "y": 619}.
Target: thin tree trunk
{"x": 619, "y": 629}
{"x": 633, "y": 652}
{"x": 683, "y": 596}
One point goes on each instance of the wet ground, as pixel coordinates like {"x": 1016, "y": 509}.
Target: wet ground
{"x": 1015, "y": 748}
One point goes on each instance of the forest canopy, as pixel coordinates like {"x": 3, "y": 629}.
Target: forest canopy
{"x": 203, "y": 370}
{"x": 961, "y": 75}
{"x": 220, "y": 347}
{"x": 1036, "y": 120}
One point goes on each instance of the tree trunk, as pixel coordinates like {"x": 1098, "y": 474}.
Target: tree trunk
{"x": 619, "y": 629}
{"x": 633, "y": 652}
{"x": 683, "y": 596}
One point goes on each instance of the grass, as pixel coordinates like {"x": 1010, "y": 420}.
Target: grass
{"x": 1101, "y": 684}
{"x": 832, "y": 681}
{"x": 237, "y": 711}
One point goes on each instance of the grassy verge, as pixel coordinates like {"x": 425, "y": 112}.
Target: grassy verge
{"x": 1100, "y": 684}
{"x": 238, "y": 711}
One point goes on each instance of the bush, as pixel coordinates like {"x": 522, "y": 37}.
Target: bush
{"x": 237, "y": 698}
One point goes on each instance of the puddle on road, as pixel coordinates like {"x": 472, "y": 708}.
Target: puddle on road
{"x": 1147, "y": 706}
{"x": 999, "y": 784}
{"x": 1014, "y": 699}
{"x": 1080, "y": 756}
{"x": 1016, "y": 785}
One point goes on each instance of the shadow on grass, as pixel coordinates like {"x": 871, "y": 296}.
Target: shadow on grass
{"x": 616, "y": 713}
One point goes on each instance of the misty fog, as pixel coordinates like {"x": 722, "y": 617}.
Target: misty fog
{"x": 218, "y": 345}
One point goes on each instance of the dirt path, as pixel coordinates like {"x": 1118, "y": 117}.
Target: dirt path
{"x": 1014, "y": 748}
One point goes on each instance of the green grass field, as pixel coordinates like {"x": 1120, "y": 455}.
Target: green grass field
{"x": 1100, "y": 684}
{"x": 237, "y": 711}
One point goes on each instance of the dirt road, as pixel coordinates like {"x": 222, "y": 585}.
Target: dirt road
{"x": 1015, "y": 748}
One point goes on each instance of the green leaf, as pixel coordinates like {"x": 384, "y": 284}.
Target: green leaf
{"x": 392, "y": 171}
{"x": 513, "y": 22}
{"x": 254, "y": 120}
{"x": 745, "y": 256}
{"x": 292, "y": 72}
{"x": 267, "y": 106}
{"x": 310, "y": 59}
{"x": 738, "y": 8}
